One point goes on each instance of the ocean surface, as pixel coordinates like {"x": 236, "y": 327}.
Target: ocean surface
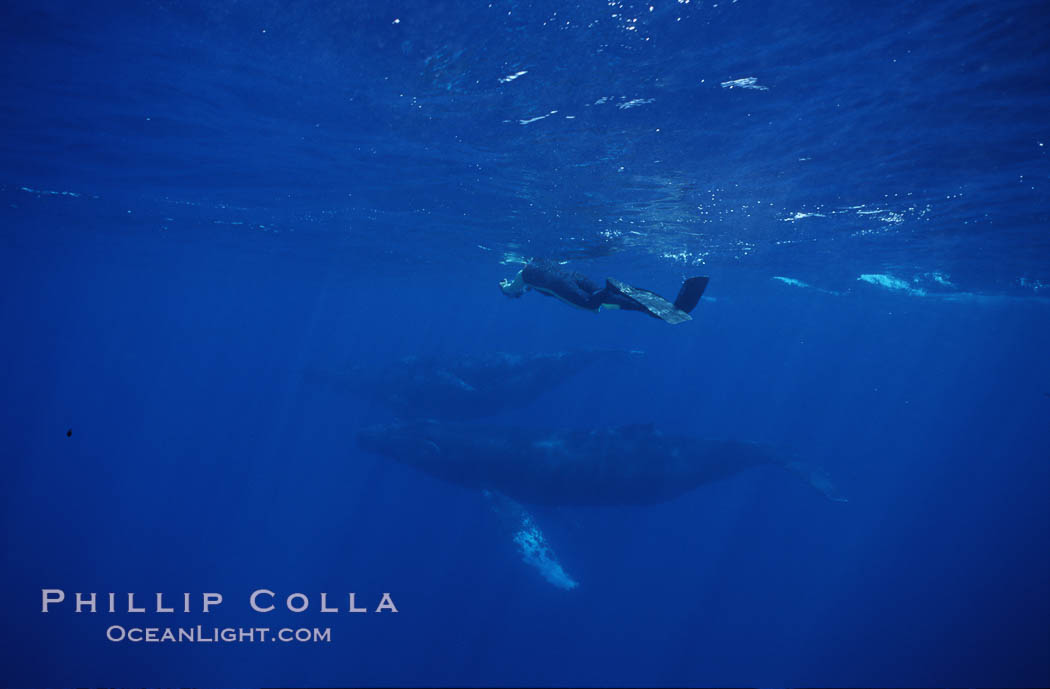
{"x": 202, "y": 202}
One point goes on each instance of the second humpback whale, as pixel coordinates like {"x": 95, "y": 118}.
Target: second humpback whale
{"x": 468, "y": 386}
{"x": 627, "y": 465}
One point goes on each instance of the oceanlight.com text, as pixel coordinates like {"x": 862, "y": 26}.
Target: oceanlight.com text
{"x": 201, "y": 634}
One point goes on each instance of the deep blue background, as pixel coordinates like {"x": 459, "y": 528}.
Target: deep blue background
{"x": 198, "y": 201}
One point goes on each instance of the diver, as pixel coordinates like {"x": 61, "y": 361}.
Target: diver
{"x": 548, "y": 277}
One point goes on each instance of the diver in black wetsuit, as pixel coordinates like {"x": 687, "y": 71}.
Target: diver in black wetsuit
{"x": 548, "y": 277}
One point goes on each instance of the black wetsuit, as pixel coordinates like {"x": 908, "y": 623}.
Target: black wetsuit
{"x": 576, "y": 288}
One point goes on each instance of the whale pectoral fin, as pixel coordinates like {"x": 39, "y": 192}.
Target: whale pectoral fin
{"x": 455, "y": 381}
{"x": 817, "y": 478}
{"x": 529, "y": 539}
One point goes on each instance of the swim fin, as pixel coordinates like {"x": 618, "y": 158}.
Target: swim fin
{"x": 650, "y": 302}
{"x": 689, "y": 295}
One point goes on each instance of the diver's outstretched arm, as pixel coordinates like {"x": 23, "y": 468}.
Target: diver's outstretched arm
{"x": 514, "y": 287}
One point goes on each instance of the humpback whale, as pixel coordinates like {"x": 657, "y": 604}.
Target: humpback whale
{"x": 626, "y": 465}
{"x": 468, "y": 387}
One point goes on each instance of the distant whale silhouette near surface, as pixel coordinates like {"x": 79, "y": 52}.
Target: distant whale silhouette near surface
{"x": 627, "y": 465}
{"x": 466, "y": 387}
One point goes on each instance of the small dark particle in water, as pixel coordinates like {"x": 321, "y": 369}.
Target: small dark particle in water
{"x": 69, "y": 433}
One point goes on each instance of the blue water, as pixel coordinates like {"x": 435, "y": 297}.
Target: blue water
{"x": 200, "y": 200}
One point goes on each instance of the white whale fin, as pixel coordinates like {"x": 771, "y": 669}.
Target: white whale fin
{"x": 817, "y": 478}
{"x": 531, "y": 543}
